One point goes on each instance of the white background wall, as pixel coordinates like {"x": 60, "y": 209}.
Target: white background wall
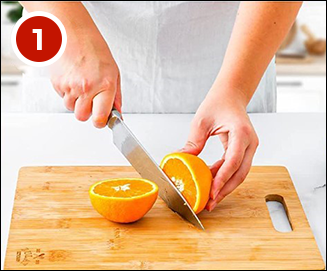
{"x": 314, "y": 15}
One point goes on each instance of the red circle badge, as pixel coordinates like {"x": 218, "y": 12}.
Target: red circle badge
{"x": 39, "y": 39}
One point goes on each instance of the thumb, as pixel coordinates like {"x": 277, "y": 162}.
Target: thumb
{"x": 196, "y": 141}
{"x": 118, "y": 98}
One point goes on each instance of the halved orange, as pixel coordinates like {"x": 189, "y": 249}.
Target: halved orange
{"x": 123, "y": 200}
{"x": 191, "y": 176}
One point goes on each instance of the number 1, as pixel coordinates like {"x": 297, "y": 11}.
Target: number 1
{"x": 38, "y": 33}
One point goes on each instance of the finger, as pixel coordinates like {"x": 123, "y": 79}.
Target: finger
{"x": 57, "y": 87}
{"x": 233, "y": 160}
{"x": 236, "y": 180}
{"x": 60, "y": 92}
{"x": 69, "y": 101}
{"x": 118, "y": 98}
{"x": 214, "y": 169}
{"x": 83, "y": 108}
{"x": 102, "y": 106}
{"x": 197, "y": 138}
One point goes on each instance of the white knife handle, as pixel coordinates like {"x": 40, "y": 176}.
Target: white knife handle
{"x": 114, "y": 116}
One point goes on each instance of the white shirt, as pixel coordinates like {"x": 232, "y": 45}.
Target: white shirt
{"x": 170, "y": 52}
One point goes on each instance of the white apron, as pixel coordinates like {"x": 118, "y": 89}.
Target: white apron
{"x": 169, "y": 53}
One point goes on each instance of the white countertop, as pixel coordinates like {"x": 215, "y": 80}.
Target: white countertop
{"x": 297, "y": 141}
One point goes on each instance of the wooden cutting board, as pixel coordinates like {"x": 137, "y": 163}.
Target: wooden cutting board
{"x": 54, "y": 227}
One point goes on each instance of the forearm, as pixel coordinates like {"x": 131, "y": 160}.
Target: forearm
{"x": 258, "y": 32}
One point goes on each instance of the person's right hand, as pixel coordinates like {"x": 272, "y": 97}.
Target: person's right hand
{"x": 88, "y": 79}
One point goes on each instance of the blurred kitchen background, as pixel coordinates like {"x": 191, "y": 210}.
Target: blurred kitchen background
{"x": 301, "y": 63}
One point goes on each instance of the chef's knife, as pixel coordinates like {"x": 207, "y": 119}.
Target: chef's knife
{"x": 142, "y": 162}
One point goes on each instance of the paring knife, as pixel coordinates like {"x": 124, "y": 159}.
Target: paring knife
{"x": 142, "y": 162}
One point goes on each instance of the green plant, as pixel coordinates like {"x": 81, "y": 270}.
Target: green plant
{"x": 16, "y": 13}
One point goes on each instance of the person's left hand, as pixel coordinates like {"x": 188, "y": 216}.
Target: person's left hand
{"x": 226, "y": 117}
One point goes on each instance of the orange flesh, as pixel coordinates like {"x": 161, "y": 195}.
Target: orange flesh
{"x": 176, "y": 169}
{"x": 117, "y": 189}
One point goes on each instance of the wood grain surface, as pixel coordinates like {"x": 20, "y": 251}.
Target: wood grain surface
{"x": 54, "y": 227}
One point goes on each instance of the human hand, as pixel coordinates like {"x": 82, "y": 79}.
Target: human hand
{"x": 226, "y": 117}
{"x": 87, "y": 78}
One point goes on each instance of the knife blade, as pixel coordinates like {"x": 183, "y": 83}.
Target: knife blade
{"x": 144, "y": 164}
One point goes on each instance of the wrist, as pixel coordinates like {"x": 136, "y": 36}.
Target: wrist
{"x": 233, "y": 87}
{"x": 86, "y": 42}
{"x": 230, "y": 95}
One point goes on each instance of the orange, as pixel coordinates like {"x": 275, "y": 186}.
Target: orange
{"x": 191, "y": 176}
{"x": 123, "y": 200}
